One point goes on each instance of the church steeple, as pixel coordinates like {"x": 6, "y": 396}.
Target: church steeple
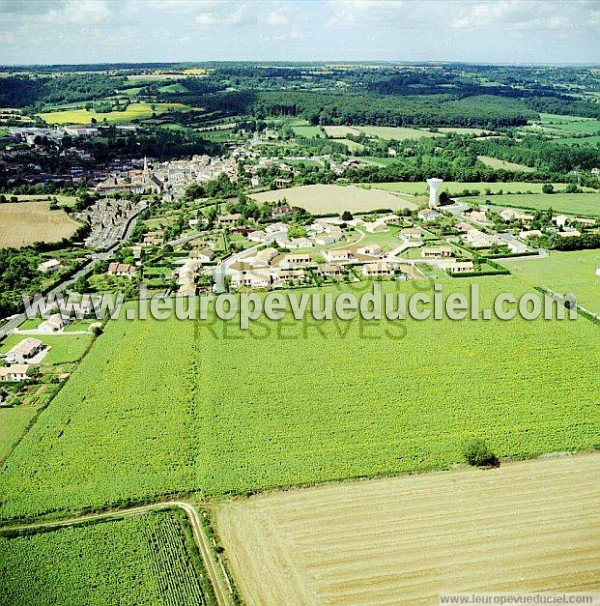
{"x": 146, "y": 171}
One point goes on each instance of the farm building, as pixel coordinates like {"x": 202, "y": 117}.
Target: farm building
{"x": 15, "y": 372}
{"x": 24, "y": 351}
{"x": 48, "y": 267}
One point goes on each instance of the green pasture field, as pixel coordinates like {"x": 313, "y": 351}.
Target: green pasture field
{"x": 587, "y": 205}
{"x": 591, "y": 140}
{"x": 455, "y": 187}
{"x": 135, "y": 111}
{"x": 561, "y": 119}
{"x": 476, "y": 132}
{"x": 310, "y": 132}
{"x": 564, "y": 272}
{"x": 64, "y": 349}
{"x": 503, "y": 164}
{"x": 219, "y": 135}
{"x": 153, "y": 409}
{"x": 13, "y": 424}
{"x": 143, "y": 560}
{"x": 377, "y": 160}
{"x": 351, "y": 145}
{"x": 397, "y": 133}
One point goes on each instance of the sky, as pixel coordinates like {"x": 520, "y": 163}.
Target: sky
{"x": 488, "y": 31}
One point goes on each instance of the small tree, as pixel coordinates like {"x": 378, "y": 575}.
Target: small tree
{"x": 548, "y": 188}
{"x": 346, "y": 216}
{"x": 478, "y": 454}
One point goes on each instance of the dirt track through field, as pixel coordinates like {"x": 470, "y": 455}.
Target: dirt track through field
{"x": 528, "y": 526}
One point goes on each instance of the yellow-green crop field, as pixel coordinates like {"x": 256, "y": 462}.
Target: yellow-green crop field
{"x": 141, "y": 560}
{"x": 134, "y": 111}
{"x": 168, "y": 407}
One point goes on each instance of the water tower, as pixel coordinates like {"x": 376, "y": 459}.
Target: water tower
{"x": 434, "y": 187}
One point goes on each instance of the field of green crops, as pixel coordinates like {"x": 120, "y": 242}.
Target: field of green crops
{"x": 564, "y": 272}
{"x": 13, "y": 423}
{"x": 586, "y": 205}
{"x": 142, "y": 561}
{"x": 163, "y": 407}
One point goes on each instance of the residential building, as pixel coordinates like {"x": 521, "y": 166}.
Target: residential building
{"x": 437, "y": 252}
{"x": 460, "y": 267}
{"x": 229, "y": 220}
{"x": 122, "y": 270}
{"x": 15, "y": 372}
{"x": 280, "y": 212}
{"x": 266, "y": 255}
{"x": 338, "y": 255}
{"x": 428, "y": 215}
{"x": 297, "y": 259}
{"x": 49, "y": 267}
{"x": 330, "y": 270}
{"x": 381, "y": 268}
{"x": 370, "y": 249}
{"x": 257, "y": 236}
{"x": 376, "y": 226}
{"x": 55, "y": 323}
{"x": 204, "y": 255}
{"x": 24, "y": 351}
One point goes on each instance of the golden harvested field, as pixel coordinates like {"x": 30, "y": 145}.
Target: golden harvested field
{"x": 341, "y": 132}
{"x": 24, "y": 223}
{"x": 323, "y": 199}
{"x": 527, "y": 526}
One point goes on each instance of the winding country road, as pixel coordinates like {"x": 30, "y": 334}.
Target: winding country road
{"x": 217, "y": 577}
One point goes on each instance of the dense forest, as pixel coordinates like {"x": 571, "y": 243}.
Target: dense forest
{"x": 423, "y": 95}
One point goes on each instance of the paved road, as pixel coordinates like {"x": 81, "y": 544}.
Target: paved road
{"x": 222, "y": 269}
{"x": 217, "y": 579}
{"x": 95, "y": 258}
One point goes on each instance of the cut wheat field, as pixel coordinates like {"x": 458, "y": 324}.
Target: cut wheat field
{"x": 24, "y": 223}
{"x": 527, "y": 526}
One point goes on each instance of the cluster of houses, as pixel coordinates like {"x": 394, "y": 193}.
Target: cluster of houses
{"x": 170, "y": 179}
{"x": 20, "y": 359}
{"x": 269, "y": 268}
